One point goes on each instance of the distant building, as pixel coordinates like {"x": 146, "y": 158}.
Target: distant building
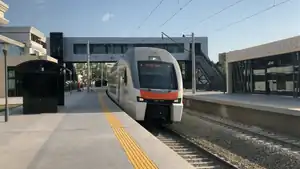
{"x": 272, "y": 68}
{"x": 3, "y": 8}
{"x": 222, "y": 58}
{"x": 34, "y": 40}
{"x": 21, "y": 44}
{"x": 110, "y": 49}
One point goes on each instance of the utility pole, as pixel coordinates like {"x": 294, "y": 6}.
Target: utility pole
{"x": 102, "y": 74}
{"x": 4, "y": 50}
{"x": 193, "y": 65}
{"x": 193, "y": 59}
{"x": 88, "y": 66}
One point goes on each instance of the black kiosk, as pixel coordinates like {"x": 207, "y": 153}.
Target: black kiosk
{"x": 39, "y": 81}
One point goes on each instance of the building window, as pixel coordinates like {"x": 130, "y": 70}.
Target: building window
{"x": 37, "y": 40}
{"x": 126, "y": 47}
{"x": 12, "y": 50}
{"x": 15, "y": 50}
{"x": 11, "y": 84}
{"x": 198, "y": 50}
{"x": 117, "y": 48}
{"x": 109, "y": 49}
{"x": 97, "y": 49}
{"x": 80, "y": 48}
{"x": 161, "y": 46}
{"x": 175, "y": 48}
{"x": 172, "y": 48}
{"x": 139, "y": 45}
{"x": 11, "y": 73}
{"x": 11, "y": 79}
{"x": 44, "y": 45}
{"x": 34, "y": 38}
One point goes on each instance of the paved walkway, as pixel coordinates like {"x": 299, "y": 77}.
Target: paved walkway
{"x": 71, "y": 139}
{"x": 90, "y": 132}
{"x": 19, "y": 110}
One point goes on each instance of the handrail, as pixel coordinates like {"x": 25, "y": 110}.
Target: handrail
{"x": 204, "y": 72}
{"x": 215, "y": 69}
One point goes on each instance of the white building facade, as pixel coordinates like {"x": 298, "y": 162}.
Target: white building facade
{"x": 34, "y": 40}
{"x": 3, "y": 8}
{"x": 20, "y": 43}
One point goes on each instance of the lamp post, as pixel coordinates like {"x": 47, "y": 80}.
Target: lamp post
{"x": 4, "y": 50}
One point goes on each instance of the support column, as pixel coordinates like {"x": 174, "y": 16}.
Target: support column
{"x": 298, "y": 77}
{"x": 61, "y": 87}
{"x": 57, "y": 51}
{"x": 229, "y": 77}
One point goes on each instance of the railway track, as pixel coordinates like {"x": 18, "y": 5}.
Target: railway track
{"x": 199, "y": 157}
{"x": 285, "y": 142}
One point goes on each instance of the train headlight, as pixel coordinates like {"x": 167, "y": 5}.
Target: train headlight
{"x": 177, "y": 100}
{"x": 139, "y": 99}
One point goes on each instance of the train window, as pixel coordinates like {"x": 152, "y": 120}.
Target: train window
{"x": 125, "y": 77}
{"x": 157, "y": 75}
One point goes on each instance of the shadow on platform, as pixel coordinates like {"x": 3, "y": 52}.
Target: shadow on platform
{"x": 89, "y": 103}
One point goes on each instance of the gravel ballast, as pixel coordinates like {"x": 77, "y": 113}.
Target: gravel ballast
{"x": 239, "y": 147}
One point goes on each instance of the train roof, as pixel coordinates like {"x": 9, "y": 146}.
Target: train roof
{"x": 143, "y": 53}
{"x": 135, "y": 54}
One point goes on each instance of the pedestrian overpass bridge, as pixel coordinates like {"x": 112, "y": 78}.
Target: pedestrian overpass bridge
{"x": 110, "y": 49}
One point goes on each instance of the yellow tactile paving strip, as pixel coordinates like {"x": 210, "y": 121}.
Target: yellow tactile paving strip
{"x": 135, "y": 154}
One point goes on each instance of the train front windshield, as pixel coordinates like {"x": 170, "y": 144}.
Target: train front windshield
{"x": 157, "y": 75}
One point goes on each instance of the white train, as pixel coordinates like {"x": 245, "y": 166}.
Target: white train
{"x": 147, "y": 84}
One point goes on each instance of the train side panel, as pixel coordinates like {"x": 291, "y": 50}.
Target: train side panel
{"x": 127, "y": 101}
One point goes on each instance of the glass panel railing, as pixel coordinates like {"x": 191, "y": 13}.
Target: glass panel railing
{"x": 12, "y": 50}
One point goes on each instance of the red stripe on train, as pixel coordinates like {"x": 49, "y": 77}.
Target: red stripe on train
{"x": 162, "y": 96}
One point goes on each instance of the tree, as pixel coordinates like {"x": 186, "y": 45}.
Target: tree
{"x": 95, "y": 70}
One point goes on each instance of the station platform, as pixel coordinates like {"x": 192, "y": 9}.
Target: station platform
{"x": 276, "y": 113}
{"x": 89, "y": 132}
{"x": 271, "y": 103}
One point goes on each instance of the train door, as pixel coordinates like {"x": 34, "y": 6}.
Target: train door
{"x": 123, "y": 85}
{"x": 124, "y": 93}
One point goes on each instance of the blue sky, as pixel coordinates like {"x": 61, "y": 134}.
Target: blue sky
{"x": 122, "y": 18}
